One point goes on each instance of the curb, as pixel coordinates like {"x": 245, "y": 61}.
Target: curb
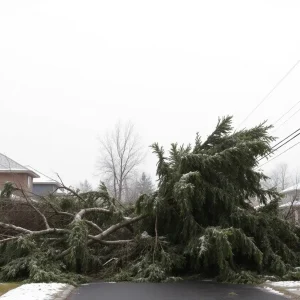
{"x": 65, "y": 293}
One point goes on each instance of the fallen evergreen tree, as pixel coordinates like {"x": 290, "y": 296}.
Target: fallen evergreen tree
{"x": 202, "y": 206}
{"x": 198, "y": 221}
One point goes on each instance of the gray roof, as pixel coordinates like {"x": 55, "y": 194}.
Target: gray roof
{"x": 9, "y": 165}
{"x": 43, "y": 179}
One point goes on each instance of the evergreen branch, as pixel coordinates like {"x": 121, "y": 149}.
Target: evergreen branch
{"x": 223, "y": 127}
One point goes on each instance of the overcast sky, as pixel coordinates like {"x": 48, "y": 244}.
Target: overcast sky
{"x": 69, "y": 70}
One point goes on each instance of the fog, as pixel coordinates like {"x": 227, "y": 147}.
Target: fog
{"x": 69, "y": 70}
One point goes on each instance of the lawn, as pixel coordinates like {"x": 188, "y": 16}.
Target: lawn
{"x": 5, "y": 287}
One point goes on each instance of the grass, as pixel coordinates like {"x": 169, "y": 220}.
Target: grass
{"x": 5, "y": 287}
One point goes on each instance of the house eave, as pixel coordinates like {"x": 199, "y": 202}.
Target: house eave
{"x": 29, "y": 172}
{"x": 47, "y": 183}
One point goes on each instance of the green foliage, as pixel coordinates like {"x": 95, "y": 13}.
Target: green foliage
{"x": 153, "y": 260}
{"x": 7, "y": 190}
{"x": 77, "y": 242}
{"x": 199, "y": 221}
{"x": 28, "y": 260}
{"x": 203, "y": 199}
{"x": 242, "y": 277}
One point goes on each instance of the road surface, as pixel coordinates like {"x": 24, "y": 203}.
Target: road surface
{"x": 170, "y": 291}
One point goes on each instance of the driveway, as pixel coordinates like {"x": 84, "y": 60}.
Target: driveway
{"x": 170, "y": 291}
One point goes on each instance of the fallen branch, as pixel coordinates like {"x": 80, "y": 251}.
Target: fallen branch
{"x": 16, "y": 228}
{"x": 115, "y": 227}
{"x": 114, "y": 258}
{"x": 80, "y": 214}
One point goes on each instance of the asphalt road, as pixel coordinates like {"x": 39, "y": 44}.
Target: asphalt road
{"x": 170, "y": 291}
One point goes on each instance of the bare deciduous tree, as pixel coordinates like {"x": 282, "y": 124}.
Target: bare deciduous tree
{"x": 279, "y": 178}
{"x": 120, "y": 154}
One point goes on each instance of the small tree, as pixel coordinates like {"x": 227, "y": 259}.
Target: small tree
{"x": 120, "y": 155}
{"x": 142, "y": 185}
{"x": 85, "y": 187}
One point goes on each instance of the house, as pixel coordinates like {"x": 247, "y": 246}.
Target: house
{"x": 11, "y": 171}
{"x": 27, "y": 178}
{"x": 290, "y": 203}
{"x": 44, "y": 185}
{"x": 289, "y": 206}
{"x": 291, "y": 194}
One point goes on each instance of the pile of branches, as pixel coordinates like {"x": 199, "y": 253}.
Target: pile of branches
{"x": 199, "y": 221}
{"x": 77, "y": 243}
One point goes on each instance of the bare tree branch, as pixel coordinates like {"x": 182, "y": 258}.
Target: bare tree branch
{"x": 116, "y": 227}
{"x": 16, "y": 228}
{"x": 80, "y": 214}
{"x": 69, "y": 189}
{"x": 117, "y": 242}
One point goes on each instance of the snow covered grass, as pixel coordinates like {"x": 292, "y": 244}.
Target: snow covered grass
{"x": 269, "y": 289}
{"x": 288, "y": 284}
{"x": 288, "y": 288}
{"x": 35, "y": 291}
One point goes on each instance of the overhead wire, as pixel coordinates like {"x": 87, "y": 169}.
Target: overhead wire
{"x": 269, "y": 93}
{"x": 286, "y": 120}
{"x": 273, "y": 150}
{"x": 285, "y": 138}
{"x": 286, "y": 113}
{"x": 279, "y": 154}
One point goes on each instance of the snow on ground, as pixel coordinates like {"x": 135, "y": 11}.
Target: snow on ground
{"x": 35, "y": 291}
{"x": 273, "y": 291}
{"x": 287, "y": 284}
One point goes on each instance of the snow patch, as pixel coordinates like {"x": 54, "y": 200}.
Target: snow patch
{"x": 35, "y": 291}
{"x": 273, "y": 291}
{"x": 286, "y": 283}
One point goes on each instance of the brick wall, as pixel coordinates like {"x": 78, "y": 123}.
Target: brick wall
{"x": 21, "y": 180}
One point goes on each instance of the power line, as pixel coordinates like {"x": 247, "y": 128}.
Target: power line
{"x": 286, "y": 113}
{"x": 279, "y": 154}
{"x": 285, "y": 138}
{"x": 273, "y": 150}
{"x": 286, "y": 142}
{"x": 287, "y": 120}
{"x": 270, "y": 92}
